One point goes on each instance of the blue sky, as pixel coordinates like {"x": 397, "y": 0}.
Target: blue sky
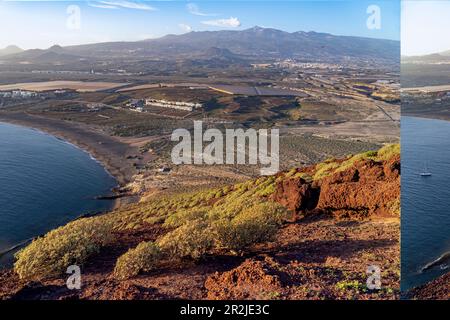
{"x": 38, "y": 24}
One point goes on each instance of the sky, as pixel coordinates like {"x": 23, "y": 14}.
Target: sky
{"x": 425, "y": 27}
{"x": 41, "y": 24}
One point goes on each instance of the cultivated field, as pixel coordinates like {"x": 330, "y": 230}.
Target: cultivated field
{"x": 55, "y": 85}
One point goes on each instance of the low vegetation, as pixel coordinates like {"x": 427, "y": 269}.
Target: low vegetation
{"x": 144, "y": 257}
{"x": 232, "y": 219}
{"x": 333, "y": 166}
{"x": 71, "y": 244}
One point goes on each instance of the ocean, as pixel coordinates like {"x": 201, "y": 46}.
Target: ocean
{"x": 44, "y": 183}
{"x": 425, "y": 224}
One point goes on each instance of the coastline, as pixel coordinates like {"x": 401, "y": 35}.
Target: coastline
{"x": 108, "y": 151}
{"x": 74, "y": 135}
{"x": 426, "y": 117}
{"x": 111, "y": 153}
{"x": 437, "y": 288}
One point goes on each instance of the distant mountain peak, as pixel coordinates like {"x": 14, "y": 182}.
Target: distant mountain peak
{"x": 263, "y": 30}
{"x": 56, "y": 48}
{"x": 219, "y": 53}
{"x": 256, "y": 28}
{"x": 11, "y": 49}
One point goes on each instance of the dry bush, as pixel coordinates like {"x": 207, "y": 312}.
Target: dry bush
{"x": 145, "y": 257}
{"x": 193, "y": 239}
{"x": 256, "y": 224}
{"x": 49, "y": 256}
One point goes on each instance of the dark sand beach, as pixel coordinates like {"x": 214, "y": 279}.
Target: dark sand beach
{"x": 108, "y": 150}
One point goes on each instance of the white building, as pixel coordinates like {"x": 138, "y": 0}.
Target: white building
{"x": 179, "y": 105}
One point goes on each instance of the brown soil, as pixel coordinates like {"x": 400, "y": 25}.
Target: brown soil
{"x": 252, "y": 279}
{"x": 316, "y": 258}
{"x": 438, "y": 289}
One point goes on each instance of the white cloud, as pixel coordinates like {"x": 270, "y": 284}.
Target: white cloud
{"x": 114, "y": 4}
{"x": 229, "y": 23}
{"x": 102, "y": 6}
{"x": 195, "y": 10}
{"x": 185, "y": 27}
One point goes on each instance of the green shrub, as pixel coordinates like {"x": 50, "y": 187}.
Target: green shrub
{"x": 328, "y": 168}
{"x": 193, "y": 239}
{"x": 145, "y": 257}
{"x": 291, "y": 173}
{"x": 350, "y": 285}
{"x": 303, "y": 176}
{"x": 388, "y": 151}
{"x": 394, "y": 207}
{"x": 256, "y": 224}
{"x": 73, "y": 243}
{"x": 182, "y": 216}
{"x": 325, "y": 169}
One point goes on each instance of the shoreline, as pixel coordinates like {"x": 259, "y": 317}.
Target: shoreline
{"x": 424, "y": 117}
{"x": 114, "y": 161}
{"x": 108, "y": 151}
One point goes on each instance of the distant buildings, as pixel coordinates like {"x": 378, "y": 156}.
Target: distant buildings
{"x": 293, "y": 64}
{"x": 135, "y": 103}
{"x": 18, "y": 94}
{"x": 28, "y": 94}
{"x": 179, "y": 105}
{"x": 139, "y": 104}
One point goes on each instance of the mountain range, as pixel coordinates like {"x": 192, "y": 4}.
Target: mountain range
{"x": 440, "y": 57}
{"x": 251, "y": 44}
{"x": 10, "y": 50}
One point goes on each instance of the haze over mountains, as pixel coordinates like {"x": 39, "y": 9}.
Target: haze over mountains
{"x": 426, "y": 70}
{"x": 10, "y": 50}
{"x": 254, "y": 44}
{"x": 440, "y": 57}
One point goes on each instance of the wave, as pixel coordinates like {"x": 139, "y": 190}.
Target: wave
{"x": 15, "y": 247}
{"x": 442, "y": 261}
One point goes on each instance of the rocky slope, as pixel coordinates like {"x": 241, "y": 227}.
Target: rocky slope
{"x": 438, "y": 289}
{"x": 309, "y": 233}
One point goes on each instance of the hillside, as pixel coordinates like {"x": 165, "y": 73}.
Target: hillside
{"x": 308, "y": 233}
{"x": 252, "y": 44}
{"x": 10, "y": 50}
{"x": 427, "y": 70}
{"x": 438, "y": 289}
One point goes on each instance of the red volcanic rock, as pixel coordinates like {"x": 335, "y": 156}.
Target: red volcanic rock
{"x": 367, "y": 189}
{"x": 251, "y": 280}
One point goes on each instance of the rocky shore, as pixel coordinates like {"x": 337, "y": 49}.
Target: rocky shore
{"x": 438, "y": 289}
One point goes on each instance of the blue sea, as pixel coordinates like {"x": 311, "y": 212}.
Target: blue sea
{"x": 44, "y": 183}
{"x": 425, "y": 200}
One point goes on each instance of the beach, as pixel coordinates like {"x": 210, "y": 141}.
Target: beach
{"x": 117, "y": 156}
{"x": 47, "y": 182}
